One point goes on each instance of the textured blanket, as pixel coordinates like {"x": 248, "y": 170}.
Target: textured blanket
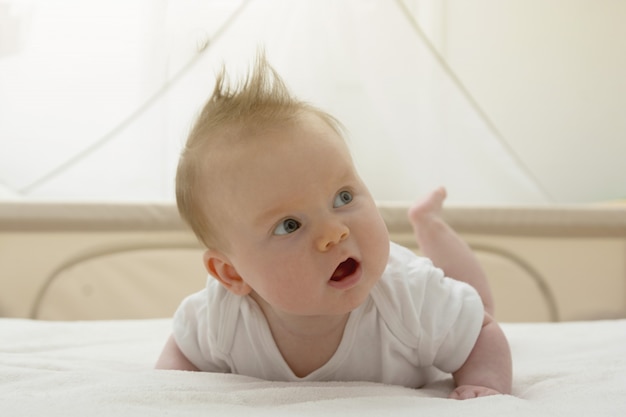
{"x": 104, "y": 368}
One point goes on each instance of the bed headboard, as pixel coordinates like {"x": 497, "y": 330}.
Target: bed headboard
{"x": 120, "y": 261}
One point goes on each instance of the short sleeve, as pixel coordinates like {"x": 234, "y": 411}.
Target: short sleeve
{"x": 451, "y": 318}
{"x": 191, "y": 330}
{"x": 440, "y": 318}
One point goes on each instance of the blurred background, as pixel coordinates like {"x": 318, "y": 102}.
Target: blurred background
{"x": 503, "y": 102}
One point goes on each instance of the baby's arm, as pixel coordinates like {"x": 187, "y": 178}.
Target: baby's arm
{"x": 172, "y": 358}
{"x": 488, "y": 369}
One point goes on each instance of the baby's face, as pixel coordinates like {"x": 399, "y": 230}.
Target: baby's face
{"x": 303, "y": 230}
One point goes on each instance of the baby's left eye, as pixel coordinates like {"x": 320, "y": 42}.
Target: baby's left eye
{"x": 343, "y": 198}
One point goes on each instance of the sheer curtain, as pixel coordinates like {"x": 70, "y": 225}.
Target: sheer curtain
{"x": 96, "y": 97}
{"x": 83, "y": 114}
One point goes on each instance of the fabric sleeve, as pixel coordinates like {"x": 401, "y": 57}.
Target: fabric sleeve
{"x": 191, "y": 331}
{"x": 451, "y": 317}
{"x": 455, "y": 346}
{"x": 441, "y": 317}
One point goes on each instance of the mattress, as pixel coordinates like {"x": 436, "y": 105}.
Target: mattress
{"x": 105, "y": 368}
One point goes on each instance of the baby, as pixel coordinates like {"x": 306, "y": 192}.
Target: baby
{"x": 305, "y": 284}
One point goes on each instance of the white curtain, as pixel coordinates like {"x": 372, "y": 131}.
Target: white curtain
{"x": 96, "y": 98}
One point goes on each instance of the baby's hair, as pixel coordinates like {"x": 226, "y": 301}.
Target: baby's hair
{"x": 262, "y": 100}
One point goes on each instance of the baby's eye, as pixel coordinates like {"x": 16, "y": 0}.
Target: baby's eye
{"x": 343, "y": 198}
{"x": 287, "y": 226}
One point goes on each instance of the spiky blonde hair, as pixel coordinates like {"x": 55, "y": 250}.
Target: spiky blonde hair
{"x": 260, "y": 101}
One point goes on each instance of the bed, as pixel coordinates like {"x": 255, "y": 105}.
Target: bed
{"x": 86, "y": 292}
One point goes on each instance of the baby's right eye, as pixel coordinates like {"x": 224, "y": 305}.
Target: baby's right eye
{"x": 287, "y": 226}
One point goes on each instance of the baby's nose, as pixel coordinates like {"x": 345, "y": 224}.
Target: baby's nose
{"x": 331, "y": 236}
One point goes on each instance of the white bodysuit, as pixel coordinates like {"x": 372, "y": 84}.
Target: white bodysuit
{"x": 413, "y": 320}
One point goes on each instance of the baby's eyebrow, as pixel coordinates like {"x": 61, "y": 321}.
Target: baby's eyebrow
{"x": 270, "y": 214}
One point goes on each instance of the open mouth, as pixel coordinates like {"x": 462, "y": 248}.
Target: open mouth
{"x": 345, "y": 269}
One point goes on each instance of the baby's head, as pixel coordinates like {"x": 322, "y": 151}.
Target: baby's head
{"x": 232, "y": 117}
{"x": 267, "y": 183}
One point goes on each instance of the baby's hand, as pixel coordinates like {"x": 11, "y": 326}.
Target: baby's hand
{"x": 465, "y": 392}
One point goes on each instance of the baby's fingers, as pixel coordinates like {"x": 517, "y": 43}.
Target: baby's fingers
{"x": 465, "y": 392}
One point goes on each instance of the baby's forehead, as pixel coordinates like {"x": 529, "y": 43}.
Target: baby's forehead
{"x": 238, "y": 144}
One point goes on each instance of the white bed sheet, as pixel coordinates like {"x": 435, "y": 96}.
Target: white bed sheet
{"x": 104, "y": 368}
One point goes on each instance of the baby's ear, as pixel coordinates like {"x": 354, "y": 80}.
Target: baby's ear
{"x": 219, "y": 266}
